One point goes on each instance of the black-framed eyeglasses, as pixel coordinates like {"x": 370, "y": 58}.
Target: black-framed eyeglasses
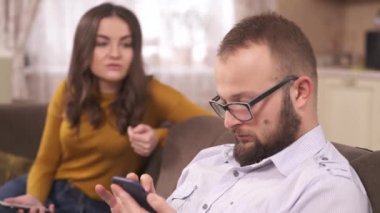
{"x": 242, "y": 110}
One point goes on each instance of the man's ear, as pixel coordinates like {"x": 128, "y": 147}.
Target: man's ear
{"x": 302, "y": 91}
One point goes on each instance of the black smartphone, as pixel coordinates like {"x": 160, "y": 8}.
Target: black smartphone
{"x": 135, "y": 190}
{"x": 14, "y": 206}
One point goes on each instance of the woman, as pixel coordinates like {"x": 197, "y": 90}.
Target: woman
{"x": 103, "y": 119}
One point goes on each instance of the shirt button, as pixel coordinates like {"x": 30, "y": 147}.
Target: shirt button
{"x": 235, "y": 173}
{"x": 322, "y": 164}
{"x": 205, "y": 206}
{"x": 324, "y": 158}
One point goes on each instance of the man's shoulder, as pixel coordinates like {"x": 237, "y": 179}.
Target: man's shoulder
{"x": 330, "y": 164}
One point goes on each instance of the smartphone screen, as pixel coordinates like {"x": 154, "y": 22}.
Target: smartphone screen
{"x": 135, "y": 190}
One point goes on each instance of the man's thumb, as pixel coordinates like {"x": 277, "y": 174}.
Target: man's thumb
{"x": 159, "y": 204}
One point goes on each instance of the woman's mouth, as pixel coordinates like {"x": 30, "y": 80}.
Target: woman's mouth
{"x": 114, "y": 66}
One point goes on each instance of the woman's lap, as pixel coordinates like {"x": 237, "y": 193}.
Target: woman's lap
{"x": 14, "y": 187}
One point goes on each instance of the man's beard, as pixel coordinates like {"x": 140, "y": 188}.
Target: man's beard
{"x": 283, "y": 137}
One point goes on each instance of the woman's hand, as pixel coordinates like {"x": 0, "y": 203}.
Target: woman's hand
{"x": 143, "y": 139}
{"x": 28, "y": 200}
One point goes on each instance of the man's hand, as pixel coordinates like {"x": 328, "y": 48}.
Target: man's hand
{"x": 143, "y": 139}
{"x": 121, "y": 202}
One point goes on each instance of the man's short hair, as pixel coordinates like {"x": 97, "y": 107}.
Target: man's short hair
{"x": 288, "y": 45}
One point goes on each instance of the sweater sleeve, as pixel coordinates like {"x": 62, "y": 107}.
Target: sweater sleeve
{"x": 43, "y": 170}
{"x": 162, "y": 134}
{"x": 170, "y": 105}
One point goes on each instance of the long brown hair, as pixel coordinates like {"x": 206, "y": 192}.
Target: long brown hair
{"x": 82, "y": 89}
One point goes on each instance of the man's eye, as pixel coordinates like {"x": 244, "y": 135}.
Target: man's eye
{"x": 222, "y": 101}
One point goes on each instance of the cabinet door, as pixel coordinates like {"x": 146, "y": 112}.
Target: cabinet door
{"x": 349, "y": 110}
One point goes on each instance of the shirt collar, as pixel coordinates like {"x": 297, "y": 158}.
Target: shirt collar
{"x": 303, "y": 148}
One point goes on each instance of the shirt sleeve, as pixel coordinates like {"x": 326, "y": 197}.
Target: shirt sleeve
{"x": 43, "y": 170}
{"x": 334, "y": 194}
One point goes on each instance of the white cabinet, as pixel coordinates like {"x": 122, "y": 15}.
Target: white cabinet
{"x": 349, "y": 107}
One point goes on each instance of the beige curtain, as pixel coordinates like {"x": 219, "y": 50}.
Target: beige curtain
{"x": 180, "y": 42}
{"x": 16, "y": 19}
{"x": 207, "y": 24}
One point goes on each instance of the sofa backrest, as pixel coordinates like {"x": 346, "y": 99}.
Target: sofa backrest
{"x": 368, "y": 169}
{"x": 187, "y": 138}
{"x": 21, "y": 128}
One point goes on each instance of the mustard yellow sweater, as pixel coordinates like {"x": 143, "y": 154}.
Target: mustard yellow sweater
{"x": 95, "y": 155}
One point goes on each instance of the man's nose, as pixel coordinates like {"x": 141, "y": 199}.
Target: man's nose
{"x": 230, "y": 121}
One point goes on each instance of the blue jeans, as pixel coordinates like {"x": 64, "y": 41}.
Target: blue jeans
{"x": 65, "y": 197}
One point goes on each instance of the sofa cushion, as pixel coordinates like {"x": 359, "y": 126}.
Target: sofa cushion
{"x": 12, "y": 166}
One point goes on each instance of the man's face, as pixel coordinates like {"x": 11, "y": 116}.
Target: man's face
{"x": 242, "y": 76}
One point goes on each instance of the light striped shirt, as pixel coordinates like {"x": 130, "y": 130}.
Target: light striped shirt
{"x": 308, "y": 176}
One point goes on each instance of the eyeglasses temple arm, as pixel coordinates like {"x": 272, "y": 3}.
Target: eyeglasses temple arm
{"x": 273, "y": 89}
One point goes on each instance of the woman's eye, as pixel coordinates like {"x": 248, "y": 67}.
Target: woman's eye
{"x": 101, "y": 43}
{"x": 127, "y": 45}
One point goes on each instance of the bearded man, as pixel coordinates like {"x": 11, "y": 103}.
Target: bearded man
{"x": 266, "y": 81}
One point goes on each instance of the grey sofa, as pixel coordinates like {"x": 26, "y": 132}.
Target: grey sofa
{"x": 21, "y": 127}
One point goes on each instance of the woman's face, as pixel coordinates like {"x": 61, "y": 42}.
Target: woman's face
{"x": 113, "y": 53}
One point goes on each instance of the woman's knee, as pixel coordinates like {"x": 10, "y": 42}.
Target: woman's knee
{"x": 13, "y": 187}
